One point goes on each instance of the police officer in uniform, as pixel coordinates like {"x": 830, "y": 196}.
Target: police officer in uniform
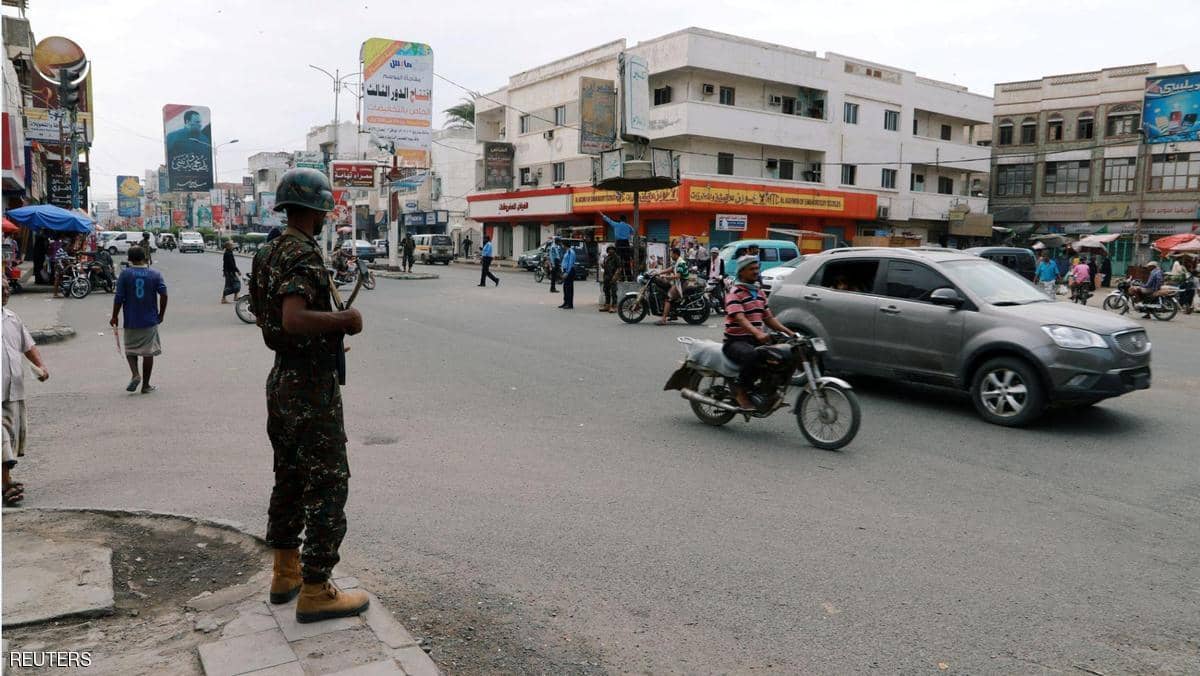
{"x": 290, "y": 295}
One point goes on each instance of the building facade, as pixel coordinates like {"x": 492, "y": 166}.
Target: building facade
{"x": 1068, "y": 158}
{"x": 833, "y": 145}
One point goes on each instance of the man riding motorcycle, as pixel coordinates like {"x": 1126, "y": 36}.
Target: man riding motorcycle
{"x": 680, "y": 271}
{"x": 745, "y": 315}
{"x": 1145, "y": 292}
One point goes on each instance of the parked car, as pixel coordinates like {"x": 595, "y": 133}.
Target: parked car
{"x": 771, "y": 252}
{"x": 381, "y": 247}
{"x": 359, "y": 247}
{"x": 191, "y": 241}
{"x": 1021, "y": 261}
{"x": 952, "y": 319}
{"x": 777, "y": 274}
{"x": 119, "y": 241}
{"x": 530, "y": 260}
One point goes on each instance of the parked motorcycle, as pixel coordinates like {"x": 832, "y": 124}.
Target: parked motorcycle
{"x": 75, "y": 282}
{"x": 715, "y": 290}
{"x": 826, "y": 409}
{"x": 241, "y": 304}
{"x": 100, "y": 277}
{"x": 1163, "y": 305}
{"x": 355, "y": 267}
{"x": 634, "y": 307}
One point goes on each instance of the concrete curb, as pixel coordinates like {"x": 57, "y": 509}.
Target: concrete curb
{"x": 52, "y": 334}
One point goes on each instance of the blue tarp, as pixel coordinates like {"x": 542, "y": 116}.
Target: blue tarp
{"x": 49, "y": 217}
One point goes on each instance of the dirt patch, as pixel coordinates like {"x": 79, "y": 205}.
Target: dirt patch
{"x": 158, "y": 564}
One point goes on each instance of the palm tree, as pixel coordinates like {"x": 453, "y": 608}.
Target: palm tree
{"x": 461, "y": 116}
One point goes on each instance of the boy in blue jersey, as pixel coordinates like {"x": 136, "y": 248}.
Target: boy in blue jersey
{"x": 143, "y": 293}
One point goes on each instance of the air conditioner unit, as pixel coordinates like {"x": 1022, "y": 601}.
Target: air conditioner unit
{"x": 881, "y": 212}
{"x": 708, "y": 89}
{"x": 772, "y": 163}
{"x": 775, "y": 100}
{"x": 548, "y": 134}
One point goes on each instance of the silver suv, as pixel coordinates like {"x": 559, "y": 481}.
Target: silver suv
{"x": 946, "y": 318}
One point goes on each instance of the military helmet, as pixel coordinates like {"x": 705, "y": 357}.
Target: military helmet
{"x": 304, "y": 187}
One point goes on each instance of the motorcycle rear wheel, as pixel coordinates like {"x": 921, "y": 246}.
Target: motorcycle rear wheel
{"x": 80, "y": 287}
{"x": 828, "y": 419}
{"x": 1114, "y": 303}
{"x": 631, "y": 310}
{"x": 696, "y": 317}
{"x": 242, "y": 308}
{"x": 369, "y": 281}
{"x": 1167, "y": 312}
{"x": 707, "y": 414}
{"x": 539, "y": 275}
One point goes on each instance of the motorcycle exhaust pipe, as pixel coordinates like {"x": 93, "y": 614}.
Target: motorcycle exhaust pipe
{"x": 695, "y": 396}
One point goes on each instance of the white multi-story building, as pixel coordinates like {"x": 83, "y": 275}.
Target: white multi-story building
{"x": 793, "y": 140}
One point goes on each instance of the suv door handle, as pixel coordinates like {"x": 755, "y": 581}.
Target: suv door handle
{"x": 812, "y": 296}
{"x": 890, "y": 310}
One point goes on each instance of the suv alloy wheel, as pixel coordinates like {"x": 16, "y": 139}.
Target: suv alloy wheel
{"x": 1006, "y": 391}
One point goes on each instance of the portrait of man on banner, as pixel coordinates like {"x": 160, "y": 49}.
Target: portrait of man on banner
{"x": 187, "y": 134}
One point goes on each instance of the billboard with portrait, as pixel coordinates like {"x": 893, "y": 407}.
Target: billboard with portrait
{"x": 187, "y": 134}
{"x": 129, "y": 196}
{"x": 497, "y": 165}
{"x": 1171, "y": 108}
{"x": 397, "y": 97}
{"x": 597, "y": 115}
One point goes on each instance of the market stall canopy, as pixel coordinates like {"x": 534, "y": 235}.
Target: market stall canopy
{"x": 9, "y": 226}
{"x": 50, "y": 217}
{"x": 1191, "y": 247}
{"x": 1170, "y": 242}
{"x": 1052, "y": 241}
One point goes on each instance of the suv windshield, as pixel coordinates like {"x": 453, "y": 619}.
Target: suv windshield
{"x": 995, "y": 284}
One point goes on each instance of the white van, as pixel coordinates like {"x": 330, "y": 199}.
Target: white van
{"x": 431, "y": 249}
{"x": 119, "y": 241}
{"x": 190, "y": 240}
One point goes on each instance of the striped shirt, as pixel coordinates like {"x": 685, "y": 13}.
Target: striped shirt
{"x": 750, "y": 301}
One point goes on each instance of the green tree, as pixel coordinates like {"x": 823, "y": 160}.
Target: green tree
{"x": 461, "y": 116}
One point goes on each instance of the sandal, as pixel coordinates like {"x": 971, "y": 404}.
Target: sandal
{"x": 148, "y": 389}
{"x": 14, "y": 494}
{"x": 133, "y": 385}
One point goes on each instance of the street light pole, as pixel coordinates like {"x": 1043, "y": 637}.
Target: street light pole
{"x": 338, "y": 79}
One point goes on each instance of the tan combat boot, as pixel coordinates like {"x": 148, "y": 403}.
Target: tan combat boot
{"x": 324, "y": 601}
{"x": 285, "y": 578}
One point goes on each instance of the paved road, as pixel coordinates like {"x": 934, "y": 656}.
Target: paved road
{"x": 523, "y": 484}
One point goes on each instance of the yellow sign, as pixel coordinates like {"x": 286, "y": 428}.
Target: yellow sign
{"x": 780, "y": 200}
{"x": 1110, "y": 211}
{"x": 608, "y": 198}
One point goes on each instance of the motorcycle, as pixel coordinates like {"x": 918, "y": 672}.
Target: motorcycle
{"x": 354, "y": 268}
{"x": 75, "y": 282}
{"x": 100, "y": 277}
{"x": 715, "y": 290}
{"x": 1163, "y": 305}
{"x": 826, "y": 409}
{"x": 12, "y": 274}
{"x": 1081, "y": 292}
{"x": 241, "y": 304}
{"x": 693, "y": 307}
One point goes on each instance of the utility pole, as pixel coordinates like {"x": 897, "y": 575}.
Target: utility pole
{"x": 338, "y": 82}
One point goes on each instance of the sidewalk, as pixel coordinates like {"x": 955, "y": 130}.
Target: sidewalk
{"x": 152, "y": 593}
{"x": 42, "y": 315}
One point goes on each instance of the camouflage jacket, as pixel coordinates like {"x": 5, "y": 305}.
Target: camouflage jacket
{"x": 292, "y": 264}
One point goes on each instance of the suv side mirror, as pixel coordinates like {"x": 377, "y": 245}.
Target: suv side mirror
{"x": 946, "y": 296}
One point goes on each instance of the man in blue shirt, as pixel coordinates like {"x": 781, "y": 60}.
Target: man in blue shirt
{"x": 622, "y": 236}
{"x": 143, "y": 293}
{"x": 568, "y": 282}
{"x": 485, "y": 263}
{"x": 1047, "y": 274}
{"x": 554, "y": 255}
{"x": 1154, "y": 282}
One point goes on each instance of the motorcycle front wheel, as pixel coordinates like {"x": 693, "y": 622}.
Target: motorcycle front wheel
{"x": 369, "y": 281}
{"x": 80, "y": 287}
{"x": 242, "y": 308}
{"x": 1167, "y": 311}
{"x": 829, "y": 417}
{"x": 696, "y": 317}
{"x": 631, "y": 310}
{"x": 710, "y": 415}
{"x": 1115, "y": 303}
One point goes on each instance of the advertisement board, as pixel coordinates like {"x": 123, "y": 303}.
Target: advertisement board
{"x": 397, "y": 96}
{"x": 129, "y": 196}
{"x": 353, "y": 174}
{"x": 187, "y": 136}
{"x": 49, "y": 54}
{"x": 309, "y": 160}
{"x": 341, "y": 207}
{"x": 1171, "y": 108}
{"x": 497, "y": 165}
{"x": 732, "y": 222}
{"x": 163, "y": 182}
{"x": 52, "y": 125}
{"x": 597, "y": 115}
{"x": 636, "y": 96}
{"x": 267, "y": 214}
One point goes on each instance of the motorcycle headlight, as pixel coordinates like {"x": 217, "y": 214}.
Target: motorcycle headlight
{"x": 641, "y": 279}
{"x": 1073, "y": 338}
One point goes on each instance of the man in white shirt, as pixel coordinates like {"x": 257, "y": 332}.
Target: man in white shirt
{"x": 17, "y": 344}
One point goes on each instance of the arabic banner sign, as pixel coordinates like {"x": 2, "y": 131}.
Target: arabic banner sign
{"x": 129, "y": 196}
{"x": 732, "y": 222}
{"x": 636, "y": 97}
{"x": 1171, "y": 107}
{"x": 497, "y": 166}
{"x": 341, "y": 207}
{"x": 353, "y": 174}
{"x": 187, "y": 132}
{"x": 309, "y": 159}
{"x": 398, "y": 96}
{"x": 597, "y": 115}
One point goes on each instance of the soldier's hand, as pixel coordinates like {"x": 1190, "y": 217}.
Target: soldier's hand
{"x": 353, "y": 321}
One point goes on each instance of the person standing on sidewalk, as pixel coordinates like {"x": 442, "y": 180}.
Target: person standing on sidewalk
{"x": 485, "y": 263}
{"x": 568, "y": 282}
{"x": 142, "y": 292}
{"x": 229, "y": 268}
{"x": 555, "y": 253}
{"x": 611, "y": 271}
{"x": 18, "y": 344}
{"x": 290, "y": 293}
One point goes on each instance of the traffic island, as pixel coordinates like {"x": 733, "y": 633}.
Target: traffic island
{"x": 137, "y": 592}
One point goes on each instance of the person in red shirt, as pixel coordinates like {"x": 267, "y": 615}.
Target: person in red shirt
{"x": 746, "y": 313}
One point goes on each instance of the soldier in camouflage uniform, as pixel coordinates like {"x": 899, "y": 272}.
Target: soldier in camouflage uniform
{"x": 290, "y": 296}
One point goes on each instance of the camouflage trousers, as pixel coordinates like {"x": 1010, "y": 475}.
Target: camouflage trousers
{"x": 304, "y": 423}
